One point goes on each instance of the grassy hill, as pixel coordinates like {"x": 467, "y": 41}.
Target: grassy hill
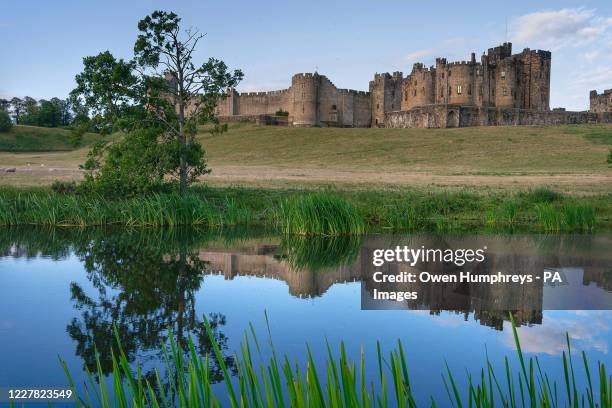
{"x": 565, "y": 158}
{"x": 500, "y": 150}
{"x": 40, "y": 139}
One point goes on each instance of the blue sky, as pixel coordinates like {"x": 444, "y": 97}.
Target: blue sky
{"x": 43, "y": 42}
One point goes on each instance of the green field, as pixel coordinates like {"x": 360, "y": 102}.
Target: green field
{"x": 570, "y": 159}
{"x": 39, "y": 139}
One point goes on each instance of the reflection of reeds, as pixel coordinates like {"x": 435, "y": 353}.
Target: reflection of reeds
{"x": 279, "y": 382}
{"x": 316, "y": 253}
{"x": 319, "y": 214}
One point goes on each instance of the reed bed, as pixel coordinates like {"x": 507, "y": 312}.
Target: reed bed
{"x": 319, "y": 214}
{"x": 566, "y": 218}
{"x": 300, "y": 212}
{"x": 276, "y": 381}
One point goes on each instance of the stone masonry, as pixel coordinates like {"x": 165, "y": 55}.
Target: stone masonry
{"x": 500, "y": 88}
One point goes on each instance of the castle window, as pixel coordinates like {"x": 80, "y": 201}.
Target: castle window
{"x": 503, "y": 75}
{"x": 493, "y": 92}
{"x": 333, "y": 107}
{"x": 377, "y": 106}
{"x": 450, "y": 91}
{"x": 406, "y": 95}
{"x": 443, "y": 75}
{"x": 441, "y": 93}
{"x": 469, "y": 89}
{"x": 414, "y": 92}
{"x": 478, "y": 72}
{"x": 505, "y": 91}
{"x": 449, "y": 73}
{"x": 459, "y": 90}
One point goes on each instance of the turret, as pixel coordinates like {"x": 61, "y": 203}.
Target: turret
{"x": 305, "y": 89}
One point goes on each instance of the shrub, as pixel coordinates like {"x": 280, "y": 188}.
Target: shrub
{"x": 64, "y": 187}
{"x": 609, "y": 160}
{"x": 543, "y": 195}
{"x": 281, "y": 112}
{"x": 5, "y": 121}
{"x": 143, "y": 161}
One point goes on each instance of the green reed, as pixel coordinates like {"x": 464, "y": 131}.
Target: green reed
{"x": 340, "y": 382}
{"x": 304, "y": 212}
{"x": 319, "y": 214}
{"x": 571, "y": 217}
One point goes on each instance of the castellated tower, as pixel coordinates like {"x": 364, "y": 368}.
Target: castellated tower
{"x": 305, "y": 89}
{"x": 418, "y": 88}
{"x": 386, "y": 96}
{"x": 601, "y": 103}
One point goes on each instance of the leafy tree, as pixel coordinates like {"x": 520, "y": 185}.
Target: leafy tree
{"x": 5, "y": 121}
{"x": 107, "y": 87}
{"x": 5, "y": 104}
{"x": 190, "y": 93}
{"x": 18, "y": 109}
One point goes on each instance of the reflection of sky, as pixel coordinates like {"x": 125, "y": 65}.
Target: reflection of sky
{"x": 588, "y": 330}
{"x": 36, "y": 308}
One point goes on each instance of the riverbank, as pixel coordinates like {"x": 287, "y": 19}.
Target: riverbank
{"x": 317, "y": 211}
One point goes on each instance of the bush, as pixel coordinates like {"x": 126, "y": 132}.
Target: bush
{"x": 5, "y": 121}
{"x": 610, "y": 158}
{"x": 543, "y": 195}
{"x": 143, "y": 161}
{"x": 64, "y": 187}
{"x": 281, "y": 112}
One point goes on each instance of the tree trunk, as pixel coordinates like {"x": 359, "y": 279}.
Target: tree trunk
{"x": 182, "y": 141}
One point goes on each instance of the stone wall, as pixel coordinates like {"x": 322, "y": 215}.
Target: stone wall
{"x": 601, "y": 102}
{"x": 312, "y": 100}
{"x": 444, "y": 116}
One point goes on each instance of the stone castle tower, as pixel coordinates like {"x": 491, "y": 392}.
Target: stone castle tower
{"x": 499, "y": 80}
{"x": 385, "y": 91}
{"x": 306, "y": 99}
{"x": 601, "y": 103}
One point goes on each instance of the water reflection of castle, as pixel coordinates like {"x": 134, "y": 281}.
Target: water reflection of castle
{"x": 527, "y": 254}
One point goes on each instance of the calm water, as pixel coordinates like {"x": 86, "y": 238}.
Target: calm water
{"x": 61, "y": 292}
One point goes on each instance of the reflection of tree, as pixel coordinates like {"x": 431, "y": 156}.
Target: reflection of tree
{"x": 143, "y": 290}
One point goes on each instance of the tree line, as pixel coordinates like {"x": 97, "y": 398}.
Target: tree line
{"x": 54, "y": 112}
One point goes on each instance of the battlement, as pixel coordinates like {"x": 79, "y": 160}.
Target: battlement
{"x": 307, "y": 75}
{"x": 501, "y": 51}
{"x": 268, "y": 93}
{"x": 462, "y": 63}
{"x": 353, "y": 92}
{"x": 594, "y": 93}
{"x": 540, "y": 53}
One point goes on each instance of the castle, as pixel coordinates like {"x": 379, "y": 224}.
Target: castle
{"x": 500, "y": 89}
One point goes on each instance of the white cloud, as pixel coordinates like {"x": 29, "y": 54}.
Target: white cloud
{"x": 587, "y": 331}
{"x": 418, "y": 56}
{"x": 554, "y": 29}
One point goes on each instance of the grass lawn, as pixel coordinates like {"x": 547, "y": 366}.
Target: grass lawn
{"x": 571, "y": 159}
